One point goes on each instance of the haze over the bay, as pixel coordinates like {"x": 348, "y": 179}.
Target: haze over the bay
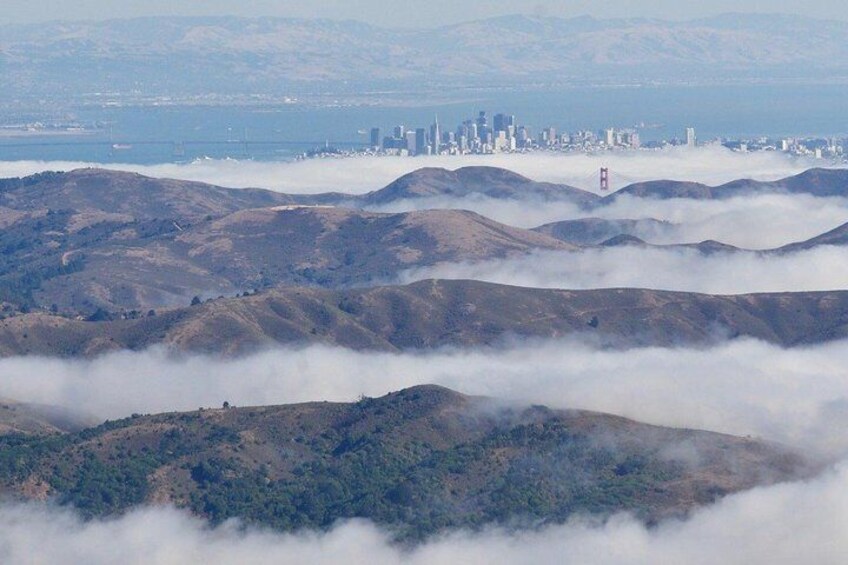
{"x": 408, "y": 13}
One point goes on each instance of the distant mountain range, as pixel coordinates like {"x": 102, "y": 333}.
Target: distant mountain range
{"x": 248, "y": 56}
{"x": 88, "y": 239}
{"x": 420, "y": 461}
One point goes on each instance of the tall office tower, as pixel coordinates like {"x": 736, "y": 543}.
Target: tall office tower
{"x": 609, "y": 137}
{"x": 399, "y": 132}
{"x": 436, "y": 137}
{"x": 376, "y": 139}
{"x": 482, "y": 126}
{"x": 500, "y": 123}
{"x": 523, "y": 135}
{"x": 473, "y": 132}
{"x": 420, "y": 141}
{"x": 690, "y": 137}
{"x": 410, "y": 142}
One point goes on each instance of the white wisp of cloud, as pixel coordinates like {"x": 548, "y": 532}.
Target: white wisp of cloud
{"x": 821, "y": 268}
{"x": 754, "y": 222}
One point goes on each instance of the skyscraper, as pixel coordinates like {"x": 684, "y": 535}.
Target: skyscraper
{"x": 690, "y": 137}
{"x": 482, "y": 126}
{"x": 420, "y": 141}
{"x": 523, "y": 136}
{"x": 435, "y": 136}
{"x": 410, "y": 142}
{"x": 376, "y": 139}
{"x": 504, "y": 122}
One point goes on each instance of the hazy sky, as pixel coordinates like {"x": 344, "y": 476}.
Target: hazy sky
{"x": 405, "y": 12}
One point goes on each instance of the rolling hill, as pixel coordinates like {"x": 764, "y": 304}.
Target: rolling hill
{"x": 837, "y": 236}
{"x": 816, "y": 182}
{"x": 491, "y": 182}
{"x": 130, "y": 196}
{"x": 420, "y": 461}
{"x": 249, "y": 249}
{"x": 432, "y": 314}
{"x": 594, "y": 231}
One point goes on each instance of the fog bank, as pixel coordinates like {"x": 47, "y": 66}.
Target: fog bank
{"x": 712, "y": 165}
{"x": 796, "y": 396}
{"x": 688, "y": 270}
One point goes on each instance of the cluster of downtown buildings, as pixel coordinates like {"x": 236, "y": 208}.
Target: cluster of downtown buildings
{"x": 502, "y": 134}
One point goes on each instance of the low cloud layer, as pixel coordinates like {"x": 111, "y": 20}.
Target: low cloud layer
{"x": 789, "y": 523}
{"x": 795, "y": 396}
{"x": 821, "y": 268}
{"x": 712, "y": 165}
{"x": 755, "y": 222}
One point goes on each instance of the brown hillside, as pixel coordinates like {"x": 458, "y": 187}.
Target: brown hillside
{"x": 433, "y": 314}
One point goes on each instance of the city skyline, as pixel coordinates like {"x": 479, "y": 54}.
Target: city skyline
{"x": 505, "y": 134}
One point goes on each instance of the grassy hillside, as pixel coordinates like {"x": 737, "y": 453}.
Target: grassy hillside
{"x": 440, "y": 313}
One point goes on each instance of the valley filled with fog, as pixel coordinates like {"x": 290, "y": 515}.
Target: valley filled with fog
{"x": 796, "y": 397}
